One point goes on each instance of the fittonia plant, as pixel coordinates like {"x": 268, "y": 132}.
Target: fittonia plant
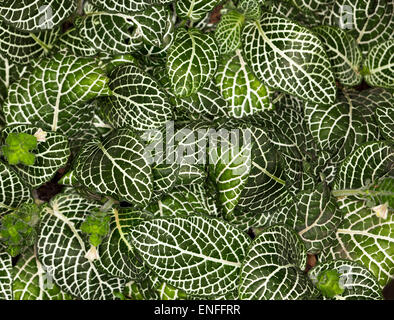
{"x": 198, "y": 159}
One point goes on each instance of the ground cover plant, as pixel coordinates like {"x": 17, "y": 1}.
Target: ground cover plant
{"x": 160, "y": 149}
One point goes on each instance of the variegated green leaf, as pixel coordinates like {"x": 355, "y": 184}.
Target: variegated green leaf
{"x": 289, "y": 57}
{"x": 370, "y": 22}
{"x": 191, "y": 61}
{"x": 116, "y": 255}
{"x": 357, "y": 281}
{"x": 314, "y": 215}
{"x": 13, "y": 190}
{"x": 385, "y": 115}
{"x": 184, "y": 200}
{"x": 21, "y": 47}
{"x": 199, "y": 255}
{"x": 228, "y": 32}
{"x": 379, "y": 65}
{"x": 50, "y": 155}
{"x": 62, "y": 248}
{"x": 52, "y": 91}
{"x": 366, "y": 238}
{"x": 116, "y": 167}
{"x": 70, "y": 41}
{"x": 273, "y": 267}
{"x": 113, "y": 33}
{"x": 5, "y": 276}
{"x": 194, "y": 9}
{"x": 345, "y": 125}
{"x": 32, "y": 282}
{"x": 137, "y": 100}
{"x": 312, "y": 5}
{"x": 244, "y": 93}
{"x": 365, "y": 165}
{"x": 36, "y": 15}
{"x": 251, "y": 8}
{"x": 9, "y": 72}
{"x": 343, "y": 53}
{"x": 126, "y": 6}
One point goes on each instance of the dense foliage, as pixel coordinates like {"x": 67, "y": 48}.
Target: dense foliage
{"x": 205, "y": 149}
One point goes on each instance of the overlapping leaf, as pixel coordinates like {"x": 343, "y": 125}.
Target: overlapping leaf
{"x": 13, "y": 190}
{"x": 5, "y": 276}
{"x": 112, "y": 33}
{"x": 228, "y": 32}
{"x": 36, "y": 15}
{"x": 380, "y": 65}
{"x": 365, "y": 238}
{"x": 62, "y": 247}
{"x": 343, "y": 53}
{"x": 137, "y": 100}
{"x": 289, "y": 57}
{"x": 199, "y": 255}
{"x": 194, "y": 9}
{"x": 50, "y": 155}
{"x": 370, "y": 22}
{"x": 273, "y": 268}
{"x": 244, "y": 93}
{"x": 21, "y": 47}
{"x": 358, "y": 282}
{"x": 191, "y": 61}
{"x": 116, "y": 167}
{"x": 32, "y": 282}
{"x": 53, "y": 91}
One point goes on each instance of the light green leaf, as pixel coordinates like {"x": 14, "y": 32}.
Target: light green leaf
{"x": 72, "y": 81}
{"x": 5, "y": 276}
{"x": 116, "y": 167}
{"x": 61, "y": 248}
{"x": 251, "y": 8}
{"x": 365, "y": 238}
{"x": 244, "y": 93}
{"x": 50, "y": 155}
{"x": 228, "y": 32}
{"x": 358, "y": 282}
{"x": 273, "y": 267}
{"x": 343, "y": 53}
{"x": 21, "y": 47}
{"x": 380, "y": 65}
{"x": 199, "y": 255}
{"x": 289, "y": 57}
{"x": 113, "y": 33}
{"x": 36, "y": 15}
{"x": 32, "y": 282}
{"x": 137, "y": 100}
{"x": 194, "y": 9}
{"x": 13, "y": 190}
{"x": 370, "y": 22}
{"x": 191, "y": 61}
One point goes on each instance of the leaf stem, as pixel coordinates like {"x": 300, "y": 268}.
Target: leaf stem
{"x": 45, "y": 46}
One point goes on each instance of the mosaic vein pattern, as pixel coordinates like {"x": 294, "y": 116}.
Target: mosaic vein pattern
{"x": 284, "y": 55}
{"x": 194, "y": 9}
{"x": 273, "y": 267}
{"x": 116, "y": 167}
{"x": 34, "y": 15}
{"x": 199, "y": 255}
{"x": 48, "y": 93}
{"x": 380, "y": 65}
{"x": 50, "y": 155}
{"x": 61, "y": 248}
{"x": 228, "y": 32}
{"x": 191, "y": 61}
{"x": 5, "y": 276}
{"x": 359, "y": 283}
